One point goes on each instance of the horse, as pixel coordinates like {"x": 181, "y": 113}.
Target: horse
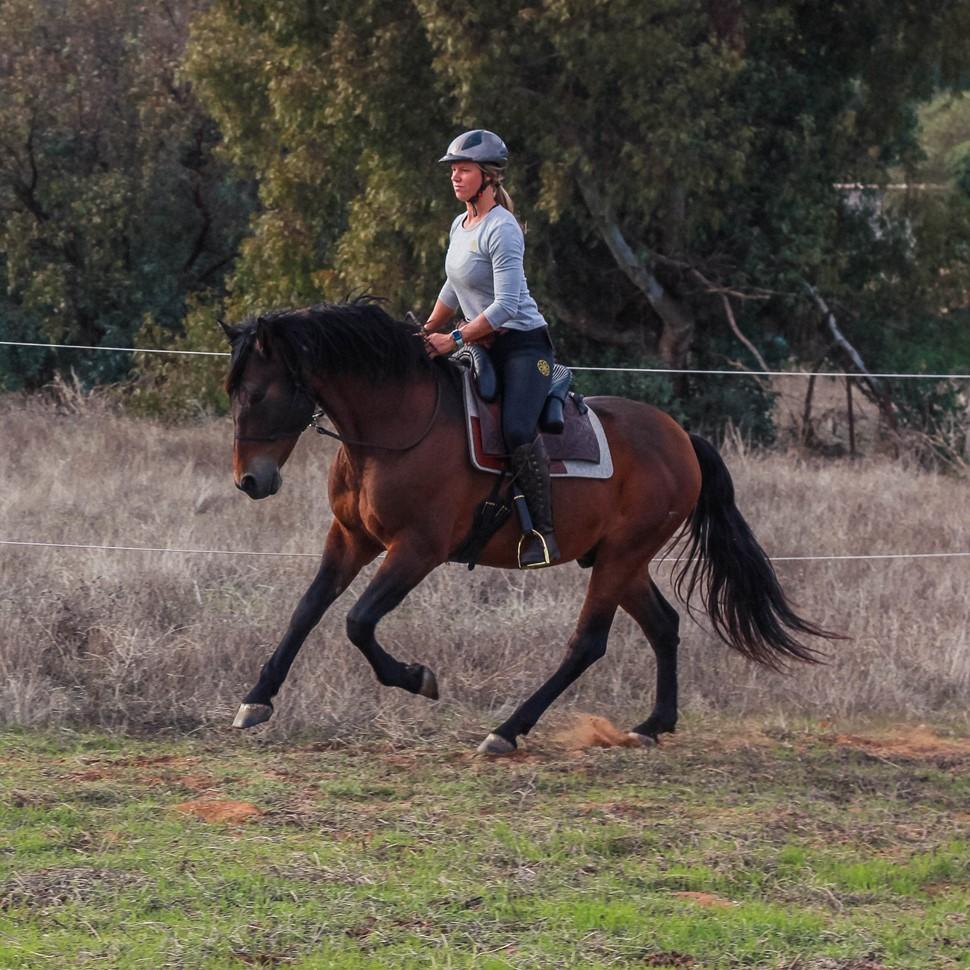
{"x": 402, "y": 484}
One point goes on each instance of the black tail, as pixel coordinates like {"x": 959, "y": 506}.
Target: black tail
{"x": 739, "y": 588}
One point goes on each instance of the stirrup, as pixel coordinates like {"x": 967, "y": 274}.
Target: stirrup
{"x": 546, "y": 557}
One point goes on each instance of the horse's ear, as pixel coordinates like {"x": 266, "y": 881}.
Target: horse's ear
{"x": 262, "y": 337}
{"x": 226, "y": 329}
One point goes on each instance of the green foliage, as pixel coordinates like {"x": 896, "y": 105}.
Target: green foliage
{"x": 115, "y": 204}
{"x": 702, "y": 404}
{"x": 715, "y": 135}
{"x": 293, "y": 147}
{"x": 182, "y": 386}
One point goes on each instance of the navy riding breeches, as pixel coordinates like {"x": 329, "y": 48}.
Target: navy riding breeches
{"x": 523, "y": 361}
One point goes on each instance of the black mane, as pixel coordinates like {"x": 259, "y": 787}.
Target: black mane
{"x": 358, "y": 338}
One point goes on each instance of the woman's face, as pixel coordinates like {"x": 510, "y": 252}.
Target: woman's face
{"x": 466, "y": 179}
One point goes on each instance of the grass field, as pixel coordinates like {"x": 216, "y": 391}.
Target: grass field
{"x": 136, "y": 642}
{"x": 732, "y": 845}
{"x": 781, "y": 828}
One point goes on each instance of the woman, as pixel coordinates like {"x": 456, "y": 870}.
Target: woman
{"x": 486, "y": 280}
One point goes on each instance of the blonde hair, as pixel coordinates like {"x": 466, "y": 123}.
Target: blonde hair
{"x": 496, "y": 176}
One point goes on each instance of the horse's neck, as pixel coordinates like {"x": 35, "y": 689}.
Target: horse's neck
{"x": 369, "y": 411}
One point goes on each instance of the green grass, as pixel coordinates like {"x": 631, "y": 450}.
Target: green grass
{"x": 792, "y": 852}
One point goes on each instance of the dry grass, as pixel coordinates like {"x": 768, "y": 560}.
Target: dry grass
{"x": 135, "y": 641}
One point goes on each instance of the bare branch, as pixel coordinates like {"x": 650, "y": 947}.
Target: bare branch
{"x": 678, "y": 321}
{"x": 736, "y": 330}
{"x": 754, "y": 293}
{"x": 201, "y": 237}
{"x": 875, "y": 387}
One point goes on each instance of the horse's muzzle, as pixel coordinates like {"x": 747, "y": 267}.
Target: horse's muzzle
{"x": 260, "y": 481}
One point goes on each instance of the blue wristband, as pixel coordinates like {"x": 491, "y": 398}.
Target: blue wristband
{"x": 458, "y": 338}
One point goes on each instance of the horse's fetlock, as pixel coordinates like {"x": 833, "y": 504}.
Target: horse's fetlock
{"x": 659, "y": 722}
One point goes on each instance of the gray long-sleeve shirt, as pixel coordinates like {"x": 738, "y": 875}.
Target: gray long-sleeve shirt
{"x": 485, "y": 273}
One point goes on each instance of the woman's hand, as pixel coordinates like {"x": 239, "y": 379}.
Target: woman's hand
{"x": 439, "y": 344}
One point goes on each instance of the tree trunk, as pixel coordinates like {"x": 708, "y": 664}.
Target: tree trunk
{"x": 677, "y": 318}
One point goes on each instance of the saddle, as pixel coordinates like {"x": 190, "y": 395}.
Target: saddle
{"x": 572, "y": 433}
{"x": 551, "y": 420}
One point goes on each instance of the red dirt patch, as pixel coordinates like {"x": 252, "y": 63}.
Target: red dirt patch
{"x": 103, "y": 769}
{"x": 405, "y": 759}
{"x": 705, "y": 899}
{"x": 919, "y": 744}
{"x": 592, "y": 731}
{"x": 92, "y": 775}
{"x": 219, "y": 811}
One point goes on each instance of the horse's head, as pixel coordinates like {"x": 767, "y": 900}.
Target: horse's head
{"x": 270, "y": 407}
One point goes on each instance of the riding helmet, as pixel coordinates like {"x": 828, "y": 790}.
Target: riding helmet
{"x": 479, "y": 146}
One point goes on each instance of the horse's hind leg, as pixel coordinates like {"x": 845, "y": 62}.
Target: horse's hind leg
{"x": 586, "y": 646}
{"x": 660, "y": 623}
{"x": 405, "y": 566}
{"x": 344, "y": 555}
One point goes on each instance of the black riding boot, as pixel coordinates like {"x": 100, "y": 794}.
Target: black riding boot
{"x": 530, "y": 465}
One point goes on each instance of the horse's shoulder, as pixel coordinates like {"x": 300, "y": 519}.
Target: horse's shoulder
{"x": 344, "y": 489}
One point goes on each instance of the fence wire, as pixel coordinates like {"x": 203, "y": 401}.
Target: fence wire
{"x": 577, "y": 367}
{"x": 171, "y": 550}
{"x": 165, "y": 550}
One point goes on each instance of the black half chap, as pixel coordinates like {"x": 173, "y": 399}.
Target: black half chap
{"x": 523, "y": 361}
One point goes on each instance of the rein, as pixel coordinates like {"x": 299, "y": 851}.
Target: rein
{"x": 373, "y": 444}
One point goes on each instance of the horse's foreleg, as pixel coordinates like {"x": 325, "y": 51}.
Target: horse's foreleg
{"x": 344, "y": 555}
{"x": 405, "y": 566}
{"x": 660, "y": 623}
{"x": 585, "y": 647}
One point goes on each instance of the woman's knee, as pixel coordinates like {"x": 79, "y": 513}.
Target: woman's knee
{"x": 517, "y": 434}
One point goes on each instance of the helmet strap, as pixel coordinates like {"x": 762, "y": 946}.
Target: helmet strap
{"x": 473, "y": 201}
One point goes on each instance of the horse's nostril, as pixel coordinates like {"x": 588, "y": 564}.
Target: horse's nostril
{"x": 247, "y": 484}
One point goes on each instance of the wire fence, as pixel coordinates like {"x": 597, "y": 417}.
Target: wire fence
{"x": 170, "y": 550}
{"x": 618, "y": 370}
{"x": 166, "y": 550}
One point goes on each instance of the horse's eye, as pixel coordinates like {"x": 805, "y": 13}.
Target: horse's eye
{"x": 256, "y": 397}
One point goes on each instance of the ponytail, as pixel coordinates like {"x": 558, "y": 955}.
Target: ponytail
{"x": 495, "y": 175}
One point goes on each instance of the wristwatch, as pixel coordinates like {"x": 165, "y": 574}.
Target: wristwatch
{"x": 458, "y": 338}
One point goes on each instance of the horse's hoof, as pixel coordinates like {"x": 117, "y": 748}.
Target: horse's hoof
{"x": 496, "y": 744}
{"x": 429, "y": 684}
{"x": 643, "y": 740}
{"x": 249, "y": 715}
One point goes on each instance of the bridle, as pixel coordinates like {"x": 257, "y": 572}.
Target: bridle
{"x": 319, "y": 414}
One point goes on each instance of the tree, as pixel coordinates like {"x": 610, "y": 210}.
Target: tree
{"x": 677, "y": 166}
{"x": 115, "y": 208}
{"x": 649, "y": 140}
{"x": 676, "y": 163}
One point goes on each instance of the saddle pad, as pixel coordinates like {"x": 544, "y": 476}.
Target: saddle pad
{"x": 581, "y": 451}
